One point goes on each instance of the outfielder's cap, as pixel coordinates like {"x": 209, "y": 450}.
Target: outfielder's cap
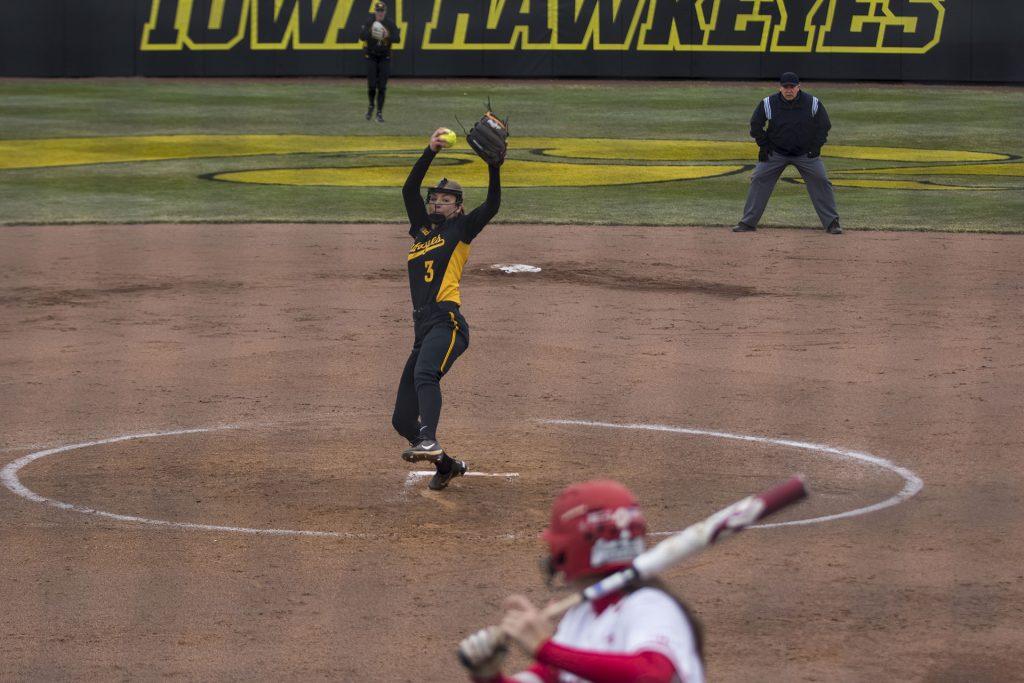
{"x": 380, "y": 7}
{"x": 789, "y": 78}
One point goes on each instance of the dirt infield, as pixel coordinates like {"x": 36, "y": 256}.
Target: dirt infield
{"x": 285, "y": 342}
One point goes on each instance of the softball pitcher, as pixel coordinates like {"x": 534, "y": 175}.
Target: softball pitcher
{"x": 442, "y": 233}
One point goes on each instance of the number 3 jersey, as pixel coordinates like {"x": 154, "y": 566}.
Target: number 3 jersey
{"x": 439, "y": 252}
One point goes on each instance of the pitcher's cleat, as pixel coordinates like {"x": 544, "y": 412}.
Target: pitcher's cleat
{"x": 426, "y": 449}
{"x": 455, "y": 468}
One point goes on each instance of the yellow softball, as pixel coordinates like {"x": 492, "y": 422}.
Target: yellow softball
{"x": 449, "y": 137}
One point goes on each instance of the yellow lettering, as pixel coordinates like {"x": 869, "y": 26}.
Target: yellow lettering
{"x": 809, "y": 30}
{"x": 224, "y": 25}
{"x": 735, "y": 26}
{"x": 421, "y": 248}
{"x": 168, "y": 21}
{"x": 872, "y": 27}
{"x": 216, "y": 15}
{"x": 269, "y": 24}
{"x": 499, "y": 25}
{"x": 736, "y": 30}
{"x": 597, "y": 32}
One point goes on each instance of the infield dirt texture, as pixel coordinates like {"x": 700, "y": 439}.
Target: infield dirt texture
{"x": 283, "y": 343}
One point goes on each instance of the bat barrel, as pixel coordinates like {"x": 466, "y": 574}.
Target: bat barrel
{"x": 786, "y": 493}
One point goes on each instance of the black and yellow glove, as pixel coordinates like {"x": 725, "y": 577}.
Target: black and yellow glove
{"x": 489, "y": 138}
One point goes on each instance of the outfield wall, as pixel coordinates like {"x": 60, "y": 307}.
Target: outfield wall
{"x": 917, "y": 40}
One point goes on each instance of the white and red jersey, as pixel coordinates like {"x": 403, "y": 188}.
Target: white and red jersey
{"x": 646, "y": 620}
{"x": 643, "y": 635}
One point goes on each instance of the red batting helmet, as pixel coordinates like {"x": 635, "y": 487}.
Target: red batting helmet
{"x": 596, "y": 527}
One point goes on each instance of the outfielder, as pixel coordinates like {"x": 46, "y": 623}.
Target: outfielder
{"x": 377, "y": 34}
{"x": 642, "y": 633}
{"x": 442, "y": 234}
{"x": 790, "y": 128}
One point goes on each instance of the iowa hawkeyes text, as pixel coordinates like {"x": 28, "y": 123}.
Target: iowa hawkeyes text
{"x": 828, "y": 26}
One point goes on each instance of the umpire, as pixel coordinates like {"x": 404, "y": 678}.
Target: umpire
{"x": 377, "y": 42}
{"x": 790, "y": 127}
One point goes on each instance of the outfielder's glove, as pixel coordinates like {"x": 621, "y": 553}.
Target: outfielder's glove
{"x": 489, "y": 138}
{"x": 484, "y": 652}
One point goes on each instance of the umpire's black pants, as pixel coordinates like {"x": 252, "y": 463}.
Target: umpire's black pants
{"x": 766, "y": 174}
{"x": 442, "y": 335}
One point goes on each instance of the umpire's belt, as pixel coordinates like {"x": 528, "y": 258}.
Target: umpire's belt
{"x": 428, "y": 309}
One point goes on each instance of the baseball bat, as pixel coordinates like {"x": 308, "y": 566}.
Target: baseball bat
{"x": 687, "y": 543}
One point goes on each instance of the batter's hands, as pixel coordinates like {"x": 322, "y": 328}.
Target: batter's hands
{"x": 484, "y": 652}
{"x": 436, "y": 143}
{"x": 525, "y": 625}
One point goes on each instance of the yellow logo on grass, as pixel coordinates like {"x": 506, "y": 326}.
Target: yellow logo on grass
{"x": 370, "y": 161}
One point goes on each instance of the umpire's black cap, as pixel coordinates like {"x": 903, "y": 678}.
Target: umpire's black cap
{"x": 789, "y": 78}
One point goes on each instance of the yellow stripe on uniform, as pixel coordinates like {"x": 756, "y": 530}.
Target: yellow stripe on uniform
{"x": 449, "y": 290}
{"x": 455, "y": 330}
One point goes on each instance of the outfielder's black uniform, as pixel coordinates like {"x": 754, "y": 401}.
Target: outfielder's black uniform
{"x": 435, "y": 263}
{"x": 378, "y": 59}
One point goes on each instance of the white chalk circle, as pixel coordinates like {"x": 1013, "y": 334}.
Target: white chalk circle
{"x": 9, "y": 477}
{"x": 912, "y": 483}
{"x": 515, "y": 268}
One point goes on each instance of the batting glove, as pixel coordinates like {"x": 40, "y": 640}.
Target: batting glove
{"x": 484, "y": 652}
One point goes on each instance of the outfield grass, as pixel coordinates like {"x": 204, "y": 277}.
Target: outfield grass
{"x": 926, "y": 117}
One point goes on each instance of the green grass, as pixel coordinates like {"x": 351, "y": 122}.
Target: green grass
{"x": 939, "y": 117}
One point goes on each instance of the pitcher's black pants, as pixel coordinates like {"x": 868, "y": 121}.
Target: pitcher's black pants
{"x": 442, "y": 335}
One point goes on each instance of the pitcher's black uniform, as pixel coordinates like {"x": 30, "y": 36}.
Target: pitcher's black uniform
{"x": 435, "y": 263}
